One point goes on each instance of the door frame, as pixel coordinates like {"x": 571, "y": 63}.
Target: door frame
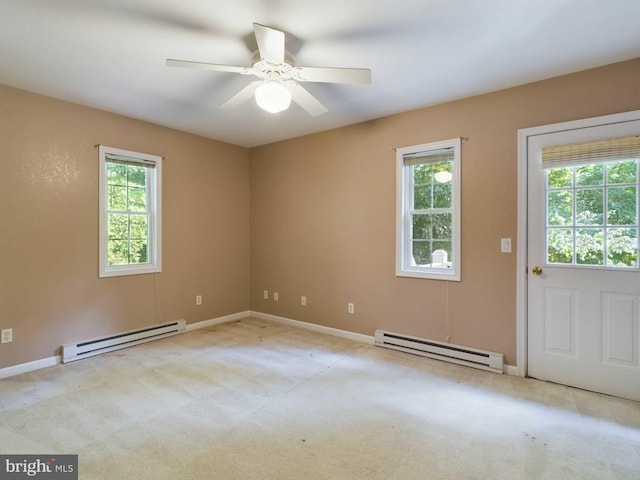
{"x": 524, "y": 134}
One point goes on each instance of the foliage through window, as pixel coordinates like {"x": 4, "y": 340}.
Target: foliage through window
{"x": 592, "y": 214}
{"x": 428, "y": 206}
{"x": 129, "y": 212}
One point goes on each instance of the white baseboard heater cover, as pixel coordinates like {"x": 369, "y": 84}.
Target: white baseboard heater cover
{"x": 470, "y": 357}
{"x": 97, "y": 346}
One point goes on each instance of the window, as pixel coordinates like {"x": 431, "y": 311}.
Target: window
{"x": 592, "y": 203}
{"x": 428, "y": 211}
{"x": 130, "y": 212}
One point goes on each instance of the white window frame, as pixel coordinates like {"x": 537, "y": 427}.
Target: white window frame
{"x": 405, "y": 266}
{"x": 154, "y": 192}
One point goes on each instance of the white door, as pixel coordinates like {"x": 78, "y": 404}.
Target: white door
{"x": 583, "y": 281}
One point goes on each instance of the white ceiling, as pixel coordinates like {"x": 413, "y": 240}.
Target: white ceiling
{"x": 110, "y": 54}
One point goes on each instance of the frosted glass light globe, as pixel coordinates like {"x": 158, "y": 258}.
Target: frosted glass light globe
{"x": 443, "y": 177}
{"x": 273, "y": 96}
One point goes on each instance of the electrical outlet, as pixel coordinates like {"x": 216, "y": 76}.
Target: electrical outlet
{"x": 275, "y": 296}
{"x": 198, "y": 299}
{"x": 303, "y": 301}
{"x": 351, "y": 308}
{"x": 505, "y": 245}
{"x": 7, "y": 335}
{"x": 265, "y": 294}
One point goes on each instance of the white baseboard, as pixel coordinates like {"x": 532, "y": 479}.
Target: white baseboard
{"x": 216, "y": 321}
{"x": 512, "y": 370}
{"x": 29, "y": 366}
{"x": 51, "y": 361}
{"x": 508, "y": 369}
{"x": 336, "y": 332}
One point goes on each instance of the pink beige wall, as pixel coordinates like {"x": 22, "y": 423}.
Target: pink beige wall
{"x": 311, "y": 216}
{"x": 50, "y": 293}
{"x": 323, "y": 213}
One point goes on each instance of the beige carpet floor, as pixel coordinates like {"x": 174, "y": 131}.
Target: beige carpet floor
{"x": 258, "y": 400}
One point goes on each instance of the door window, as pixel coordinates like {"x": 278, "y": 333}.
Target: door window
{"x": 592, "y": 210}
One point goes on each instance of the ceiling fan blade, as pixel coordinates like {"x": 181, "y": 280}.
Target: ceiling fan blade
{"x": 242, "y": 96}
{"x": 303, "y": 98}
{"x": 207, "y": 66}
{"x": 270, "y": 43}
{"x": 333, "y": 75}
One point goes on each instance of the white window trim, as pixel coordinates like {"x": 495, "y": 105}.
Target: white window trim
{"x": 403, "y": 227}
{"x": 155, "y": 207}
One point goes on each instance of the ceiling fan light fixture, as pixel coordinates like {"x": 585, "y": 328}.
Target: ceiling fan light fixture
{"x": 273, "y": 96}
{"x": 278, "y": 78}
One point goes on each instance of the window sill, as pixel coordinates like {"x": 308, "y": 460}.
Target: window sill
{"x": 128, "y": 270}
{"x": 430, "y": 274}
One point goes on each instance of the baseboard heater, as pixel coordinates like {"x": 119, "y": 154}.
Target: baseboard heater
{"x": 77, "y": 351}
{"x": 470, "y": 357}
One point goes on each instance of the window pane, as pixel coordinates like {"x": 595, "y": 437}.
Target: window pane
{"x": 138, "y": 227}
{"x": 590, "y": 246}
{"x": 137, "y": 176}
{"x": 622, "y": 205}
{"x": 442, "y": 195}
{"x": 118, "y": 226}
{"x": 137, "y": 199}
{"x": 117, "y": 197}
{"x": 422, "y": 174}
{"x": 590, "y": 206}
{"x": 118, "y": 252}
{"x": 590, "y": 175}
{"x": 560, "y": 207}
{"x": 439, "y": 246}
{"x": 559, "y": 245}
{"x": 421, "y": 252}
{"x": 441, "y": 226}
{"x": 442, "y": 172}
{"x": 116, "y": 174}
{"x": 138, "y": 251}
{"x": 422, "y": 197}
{"x": 560, "y": 177}
{"x": 622, "y": 247}
{"x": 422, "y": 226}
{"x": 622, "y": 172}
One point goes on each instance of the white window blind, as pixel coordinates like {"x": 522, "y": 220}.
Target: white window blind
{"x": 431, "y": 156}
{"x": 600, "y": 151}
{"x": 124, "y": 160}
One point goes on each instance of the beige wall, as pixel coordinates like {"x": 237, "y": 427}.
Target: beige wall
{"x": 50, "y": 293}
{"x": 323, "y": 213}
{"x": 311, "y": 216}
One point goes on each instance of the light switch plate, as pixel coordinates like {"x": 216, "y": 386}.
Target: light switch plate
{"x": 505, "y": 245}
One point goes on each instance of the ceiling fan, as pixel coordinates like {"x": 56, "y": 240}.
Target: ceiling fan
{"x": 278, "y": 77}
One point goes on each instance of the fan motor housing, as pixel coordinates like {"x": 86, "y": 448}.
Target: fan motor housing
{"x": 267, "y": 67}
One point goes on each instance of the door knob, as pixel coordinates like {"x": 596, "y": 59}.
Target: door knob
{"x": 536, "y": 270}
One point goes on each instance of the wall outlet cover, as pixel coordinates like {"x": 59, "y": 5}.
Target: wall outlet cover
{"x": 7, "y": 335}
